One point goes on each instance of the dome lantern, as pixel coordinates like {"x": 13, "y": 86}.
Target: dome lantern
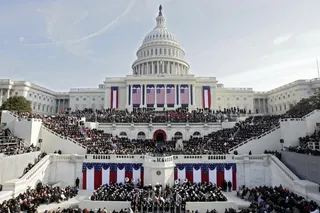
{"x": 160, "y": 52}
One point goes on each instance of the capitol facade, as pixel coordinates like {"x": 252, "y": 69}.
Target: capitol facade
{"x": 161, "y": 78}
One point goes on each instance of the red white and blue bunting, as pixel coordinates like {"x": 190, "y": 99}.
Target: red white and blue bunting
{"x": 96, "y": 174}
{"x": 206, "y": 173}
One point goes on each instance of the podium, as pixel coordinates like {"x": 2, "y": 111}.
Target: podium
{"x": 158, "y": 169}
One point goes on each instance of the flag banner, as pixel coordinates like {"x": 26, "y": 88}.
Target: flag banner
{"x": 170, "y": 90}
{"x": 136, "y": 95}
{"x": 150, "y": 95}
{"x": 184, "y": 95}
{"x": 143, "y": 94}
{"x": 160, "y": 95}
{"x": 114, "y": 98}
{"x": 129, "y": 97}
{"x": 207, "y": 173}
{"x": 206, "y": 97}
{"x": 96, "y": 174}
{"x": 191, "y": 94}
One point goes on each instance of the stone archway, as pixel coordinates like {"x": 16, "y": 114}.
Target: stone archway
{"x": 160, "y": 134}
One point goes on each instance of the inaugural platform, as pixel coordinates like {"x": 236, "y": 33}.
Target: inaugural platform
{"x": 158, "y": 140}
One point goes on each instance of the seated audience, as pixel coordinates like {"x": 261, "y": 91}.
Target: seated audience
{"x": 32, "y": 198}
{"x": 275, "y": 199}
{"x": 99, "y": 142}
{"x": 159, "y": 198}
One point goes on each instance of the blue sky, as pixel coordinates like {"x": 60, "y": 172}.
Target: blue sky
{"x": 63, "y": 44}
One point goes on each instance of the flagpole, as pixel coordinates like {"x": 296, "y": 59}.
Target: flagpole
{"x": 318, "y": 68}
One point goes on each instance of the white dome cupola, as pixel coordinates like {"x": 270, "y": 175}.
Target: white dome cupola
{"x": 160, "y": 53}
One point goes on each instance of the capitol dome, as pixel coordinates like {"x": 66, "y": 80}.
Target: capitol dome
{"x": 160, "y": 52}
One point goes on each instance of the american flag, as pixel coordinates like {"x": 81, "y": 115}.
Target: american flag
{"x": 170, "y": 95}
{"x": 184, "y": 95}
{"x": 136, "y": 95}
{"x": 160, "y": 95}
{"x": 150, "y": 95}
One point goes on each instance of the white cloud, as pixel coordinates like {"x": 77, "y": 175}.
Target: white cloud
{"x": 21, "y": 39}
{"x": 281, "y": 39}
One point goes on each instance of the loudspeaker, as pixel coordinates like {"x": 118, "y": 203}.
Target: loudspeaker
{"x": 40, "y": 141}
{"x": 281, "y": 141}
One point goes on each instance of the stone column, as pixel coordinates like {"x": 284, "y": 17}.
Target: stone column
{"x": 168, "y": 67}
{"x": 158, "y": 67}
{"x": 1, "y": 94}
{"x": 127, "y": 95}
{"x": 8, "y": 94}
{"x": 152, "y": 68}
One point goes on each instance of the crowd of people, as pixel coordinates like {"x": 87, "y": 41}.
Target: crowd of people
{"x": 30, "y": 200}
{"x": 275, "y": 200}
{"x": 148, "y": 198}
{"x": 86, "y": 210}
{"x": 146, "y": 115}
{"x": 99, "y": 142}
{"x": 31, "y": 165}
{"x": 304, "y": 148}
{"x": 11, "y": 145}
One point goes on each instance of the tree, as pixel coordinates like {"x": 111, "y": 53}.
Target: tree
{"x": 17, "y": 103}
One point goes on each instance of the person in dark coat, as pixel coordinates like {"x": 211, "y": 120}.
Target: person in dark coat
{"x": 229, "y": 186}
{"x": 77, "y": 182}
{"x": 225, "y": 185}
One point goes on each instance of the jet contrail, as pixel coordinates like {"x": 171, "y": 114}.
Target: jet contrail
{"x": 99, "y": 32}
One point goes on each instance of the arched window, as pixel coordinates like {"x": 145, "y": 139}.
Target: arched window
{"x": 123, "y": 135}
{"x": 178, "y": 135}
{"x": 196, "y": 134}
{"x": 141, "y": 136}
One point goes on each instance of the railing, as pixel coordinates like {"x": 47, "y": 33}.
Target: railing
{"x": 108, "y": 157}
{"x": 29, "y": 175}
{"x": 291, "y": 119}
{"x": 254, "y": 138}
{"x": 314, "y": 111}
{"x": 250, "y": 157}
{"x": 63, "y": 137}
{"x": 283, "y": 168}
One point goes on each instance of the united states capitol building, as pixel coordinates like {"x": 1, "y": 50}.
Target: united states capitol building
{"x": 161, "y": 78}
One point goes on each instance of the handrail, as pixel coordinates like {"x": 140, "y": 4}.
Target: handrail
{"x": 253, "y": 138}
{"x": 310, "y": 113}
{"x": 63, "y": 137}
{"x": 36, "y": 168}
{"x": 283, "y": 168}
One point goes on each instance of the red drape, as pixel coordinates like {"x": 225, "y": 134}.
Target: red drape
{"x": 203, "y": 102}
{"x": 128, "y": 174}
{"x": 209, "y": 98}
{"x": 117, "y": 101}
{"x": 84, "y": 180}
{"x": 113, "y": 177}
{"x": 142, "y": 176}
{"x": 204, "y": 177}
{"x": 189, "y": 176}
{"x": 175, "y": 174}
{"x": 220, "y": 179}
{"x": 111, "y": 100}
{"x": 97, "y": 179}
{"x": 234, "y": 180}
